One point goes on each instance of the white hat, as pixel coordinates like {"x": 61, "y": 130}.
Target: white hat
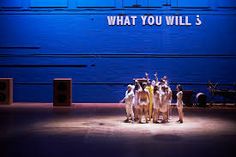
{"x": 130, "y": 86}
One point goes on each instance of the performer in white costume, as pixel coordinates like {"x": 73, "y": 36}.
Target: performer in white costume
{"x": 180, "y": 103}
{"x": 164, "y": 103}
{"x": 129, "y": 101}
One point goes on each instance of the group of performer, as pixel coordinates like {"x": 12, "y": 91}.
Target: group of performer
{"x": 151, "y": 99}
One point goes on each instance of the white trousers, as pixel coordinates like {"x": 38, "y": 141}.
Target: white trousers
{"x": 129, "y": 110}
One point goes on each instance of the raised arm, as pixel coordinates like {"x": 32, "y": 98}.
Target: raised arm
{"x": 139, "y": 86}
{"x": 147, "y": 77}
{"x": 156, "y": 77}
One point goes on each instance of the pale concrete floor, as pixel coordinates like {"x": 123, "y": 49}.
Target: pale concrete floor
{"x": 37, "y": 129}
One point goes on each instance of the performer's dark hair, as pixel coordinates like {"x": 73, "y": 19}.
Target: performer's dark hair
{"x": 136, "y": 87}
{"x": 180, "y": 87}
{"x": 155, "y": 89}
{"x": 143, "y": 85}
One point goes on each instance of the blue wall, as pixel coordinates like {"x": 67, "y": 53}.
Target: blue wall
{"x": 44, "y": 39}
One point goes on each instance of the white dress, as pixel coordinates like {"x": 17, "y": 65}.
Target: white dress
{"x": 129, "y": 96}
{"x": 179, "y": 100}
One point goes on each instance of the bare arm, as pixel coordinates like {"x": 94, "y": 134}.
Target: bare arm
{"x": 156, "y": 77}
{"x": 139, "y": 86}
{"x": 123, "y": 100}
{"x": 147, "y": 77}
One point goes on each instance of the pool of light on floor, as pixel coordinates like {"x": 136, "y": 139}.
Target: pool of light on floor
{"x": 106, "y": 126}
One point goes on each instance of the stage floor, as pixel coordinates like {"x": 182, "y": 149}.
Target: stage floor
{"x": 39, "y": 129}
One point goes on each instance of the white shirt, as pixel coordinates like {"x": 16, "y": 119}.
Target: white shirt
{"x": 179, "y": 98}
{"x": 129, "y": 96}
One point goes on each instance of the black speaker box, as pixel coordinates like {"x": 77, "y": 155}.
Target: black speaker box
{"x": 6, "y": 91}
{"x": 62, "y": 92}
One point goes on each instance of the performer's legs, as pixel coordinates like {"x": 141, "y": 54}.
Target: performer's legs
{"x": 140, "y": 113}
{"x": 169, "y": 111}
{"x": 148, "y": 106}
{"x": 131, "y": 112}
{"x": 154, "y": 115}
{"x": 166, "y": 118}
{"x": 180, "y": 111}
{"x": 150, "y": 111}
{"x": 127, "y": 112}
{"x": 146, "y": 112}
{"x": 158, "y": 114}
{"x": 136, "y": 112}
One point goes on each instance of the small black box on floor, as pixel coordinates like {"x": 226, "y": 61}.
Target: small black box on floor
{"x": 188, "y": 97}
{"x": 6, "y": 91}
{"x": 62, "y": 92}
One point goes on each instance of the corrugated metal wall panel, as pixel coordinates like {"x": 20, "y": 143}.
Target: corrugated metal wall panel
{"x": 37, "y": 45}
